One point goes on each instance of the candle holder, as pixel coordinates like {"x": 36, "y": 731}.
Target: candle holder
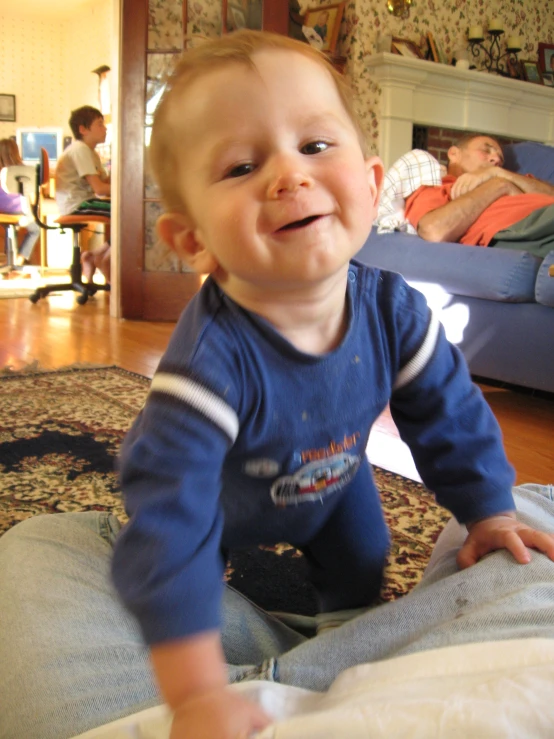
{"x": 496, "y": 61}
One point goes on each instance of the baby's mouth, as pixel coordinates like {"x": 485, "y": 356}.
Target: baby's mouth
{"x": 299, "y": 224}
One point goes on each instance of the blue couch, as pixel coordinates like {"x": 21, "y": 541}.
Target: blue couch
{"x": 497, "y": 305}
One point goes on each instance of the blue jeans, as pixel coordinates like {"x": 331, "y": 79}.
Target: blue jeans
{"x": 29, "y": 240}
{"x": 73, "y": 659}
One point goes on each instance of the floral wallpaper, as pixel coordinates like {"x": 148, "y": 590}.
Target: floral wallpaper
{"x": 447, "y": 20}
{"x": 165, "y": 24}
{"x": 364, "y": 23}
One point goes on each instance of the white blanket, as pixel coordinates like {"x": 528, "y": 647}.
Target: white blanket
{"x": 490, "y": 690}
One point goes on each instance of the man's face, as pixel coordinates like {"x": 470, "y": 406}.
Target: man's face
{"x": 276, "y": 186}
{"x": 479, "y": 153}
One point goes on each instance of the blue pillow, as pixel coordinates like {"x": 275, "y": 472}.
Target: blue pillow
{"x": 529, "y": 157}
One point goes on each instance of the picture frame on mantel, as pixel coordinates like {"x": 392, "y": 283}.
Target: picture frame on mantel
{"x": 531, "y": 72}
{"x": 406, "y": 48}
{"x": 546, "y": 58}
{"x": 435, "y": 50}
{"x": 7, "y": 108}
{"x": 513, "y": 68}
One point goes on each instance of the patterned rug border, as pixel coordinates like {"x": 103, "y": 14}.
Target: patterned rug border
{"x": 34, "y": 368}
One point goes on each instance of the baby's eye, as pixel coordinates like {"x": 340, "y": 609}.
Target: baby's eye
{"x": 314, "y": 147}
{"x": 240, "y": 170}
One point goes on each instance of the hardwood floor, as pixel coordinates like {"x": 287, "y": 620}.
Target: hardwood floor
{"x": 57, "y": 332}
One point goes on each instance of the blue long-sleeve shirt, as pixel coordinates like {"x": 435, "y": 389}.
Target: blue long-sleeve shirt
{"x": 246, "y": 440}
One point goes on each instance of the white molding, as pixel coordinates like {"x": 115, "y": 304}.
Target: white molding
{"x": 427, "y": 93}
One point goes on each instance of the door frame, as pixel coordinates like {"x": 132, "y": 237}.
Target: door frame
{"x": 140, "y": 294}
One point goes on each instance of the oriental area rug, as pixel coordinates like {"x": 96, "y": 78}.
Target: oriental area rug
{"x": 60, "y": 433}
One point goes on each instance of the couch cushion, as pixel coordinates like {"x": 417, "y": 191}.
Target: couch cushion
{"x": 544, "y": 288}
{"x": 493, "y": 274}
{"x": 528, "y": 157}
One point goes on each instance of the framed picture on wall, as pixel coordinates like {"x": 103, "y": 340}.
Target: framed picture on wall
{"x": 321, "y": 26}
{"x": 531, "y": 71}
{"x": 234, "y": 15}
{"x": 7, "y": 107}
{"x": 546, "y": 58}
{"x": 406, "y": 48}
{"x": 239, "y": 14}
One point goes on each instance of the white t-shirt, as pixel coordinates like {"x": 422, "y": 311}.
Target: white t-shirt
{"x": 77, "y": 161}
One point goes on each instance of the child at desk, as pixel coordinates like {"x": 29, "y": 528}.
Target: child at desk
{"x": 82, "y": 183}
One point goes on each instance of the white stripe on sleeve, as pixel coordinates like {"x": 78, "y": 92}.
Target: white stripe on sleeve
{"x": 418, "y": 362}
{"x": 198, "y": 397}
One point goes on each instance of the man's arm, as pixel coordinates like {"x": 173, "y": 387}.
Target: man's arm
{"x": 102, "y": 188}
{"x": 469, "y": 181}
{"x": 451, "y": 221}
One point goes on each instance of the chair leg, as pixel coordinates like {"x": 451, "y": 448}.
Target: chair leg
{"x": 85, "y": 290}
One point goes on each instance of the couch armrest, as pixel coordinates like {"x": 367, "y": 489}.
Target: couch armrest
{"x": 504, "y": 275}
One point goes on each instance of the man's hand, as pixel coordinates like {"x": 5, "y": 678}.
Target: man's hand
{"x": 503, "y": 531}
{"x": 218, "y": 714}
{"x": 470, "y": 180}
{"x": 519, "y": 184}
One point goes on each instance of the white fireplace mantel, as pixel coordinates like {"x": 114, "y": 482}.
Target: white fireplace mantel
{"x": 427, "y": 93}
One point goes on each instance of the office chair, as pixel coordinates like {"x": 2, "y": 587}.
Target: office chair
{"x": 75, "y": 223}
{"x": 18, "y": 179}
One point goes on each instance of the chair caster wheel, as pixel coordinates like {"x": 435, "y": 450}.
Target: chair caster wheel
{"x": 34, "y": 298}
{"x": 82, "y": 299}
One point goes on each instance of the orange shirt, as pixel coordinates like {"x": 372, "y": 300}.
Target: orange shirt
{"x": 503, "y": 213}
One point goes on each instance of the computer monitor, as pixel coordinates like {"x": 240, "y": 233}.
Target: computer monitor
{"x": 31, "y": 140}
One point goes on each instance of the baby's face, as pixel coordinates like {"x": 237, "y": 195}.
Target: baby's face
{"x": 277, "y": 192}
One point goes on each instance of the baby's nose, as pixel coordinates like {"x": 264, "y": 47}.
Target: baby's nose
{"x": 287, "y": 177}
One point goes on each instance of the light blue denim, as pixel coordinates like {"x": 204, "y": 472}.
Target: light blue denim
{"x": 72, "y": 658}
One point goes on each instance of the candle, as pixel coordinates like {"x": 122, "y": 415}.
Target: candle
{"x": 495, "y": 25}
{"x": 475, "y": 32}
{"x": 513, "y": 42}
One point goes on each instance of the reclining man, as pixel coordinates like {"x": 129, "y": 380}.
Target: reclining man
{"x": 481, "y": 204}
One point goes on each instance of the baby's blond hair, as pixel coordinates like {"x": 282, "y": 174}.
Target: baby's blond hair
{"x": 238, "y": 47}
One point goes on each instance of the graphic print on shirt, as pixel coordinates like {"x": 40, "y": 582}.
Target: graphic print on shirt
{"x": 316, "y": 480}
{"x": 325, "y": 470}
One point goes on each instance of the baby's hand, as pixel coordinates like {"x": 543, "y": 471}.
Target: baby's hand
{"x": 503, "y": 531}
{"x": 218, "y": 714}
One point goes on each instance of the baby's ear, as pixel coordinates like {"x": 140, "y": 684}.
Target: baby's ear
{"x": 376, "y": 174}
{"x": 179, "y": 234}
